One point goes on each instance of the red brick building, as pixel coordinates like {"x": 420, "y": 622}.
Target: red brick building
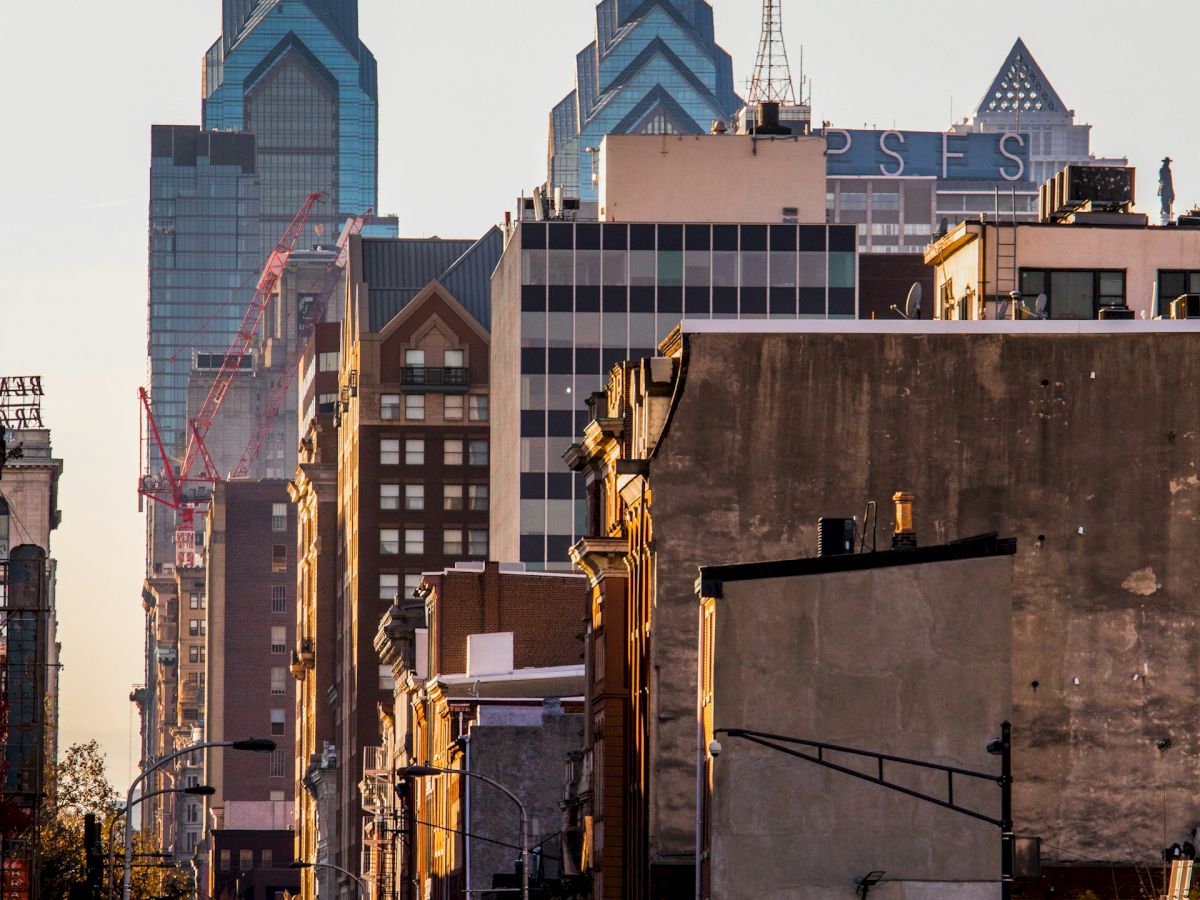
{"x": 488, "y": 671}
{"x": 251, "y": 537}
{"x": 412, "y": 486}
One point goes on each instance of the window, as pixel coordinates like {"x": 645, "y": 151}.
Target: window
{"x": 412, "y": 581}
{"x": 477, "y": 497}
{"x": 328, "y": 361}
{"x": 414, "y": 357}
{"x": 414, "y": 541}
{"x": 278, "y": 639}
{"x": 478, "y": 455}
{"x": 414, "y": 496}
{"x": 453, "y": 410}
{"x": 386, "y": 681}
{"x": 278, "y": 598}
{"x": 278, "y": 721}
{"x": 226, "y": 860}
{"x": 1073, "y": 293}
{"x": 453, "y": 359}
{"x": 203, "y": 627}
{"x": 191, "y": 813}
{"x": 246, "y": 859}
{"x": 279, "y": 558}
{"x": 414, "y": 452}
{"x": 267, "y": 857}
{"x": 479, "y": 407}
{"x": 452, "y": 497}
{"x": 193, "y": 627}
{"x": 193, "y": 654}
{"x": 452, "y": 542}
{"x": 389, "y": 452}
{"x": 389, "y": 540}
{"x": 278, "y": 684}
{"x": 452, "y": 453}
{"x": 194, "y": 601}
{"x": 477, "y": 542}
{"x": 1172, "y": 284}
{"x": 279, "y": 516}
{"x": 389, "y": 585}
{"x": 278, "y": 763}
{"x": 389, "y": 496}
{"x": 414, "y": 406}
{"x": 389, "y": 406}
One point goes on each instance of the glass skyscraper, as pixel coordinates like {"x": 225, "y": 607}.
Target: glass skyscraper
{"x": 653, "y": 68}
{"x": 295, "y": 74}
{"x": 289, "y": 108}
{"x": 205, "y": 253}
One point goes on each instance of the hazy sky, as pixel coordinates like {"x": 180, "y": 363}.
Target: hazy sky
{"x": 465, "y": 90}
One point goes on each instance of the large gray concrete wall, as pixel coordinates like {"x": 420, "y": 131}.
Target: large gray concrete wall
{"x": 529, "y": 760}
{"x": 1084, "y": 447}
{"x": 911, "y": 661}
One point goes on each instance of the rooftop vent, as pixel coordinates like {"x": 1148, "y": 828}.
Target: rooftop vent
{"x": 904, "y": 537}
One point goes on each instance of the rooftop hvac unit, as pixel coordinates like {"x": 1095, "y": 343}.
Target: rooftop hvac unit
{"x": 835, "y": 536}
{"x": 1186, "y": 306}
{"x": 1115, "y": 312}
{"x": 1094, "y": 188}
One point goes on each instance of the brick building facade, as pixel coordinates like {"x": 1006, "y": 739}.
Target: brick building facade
{"x": 251, "y": 538}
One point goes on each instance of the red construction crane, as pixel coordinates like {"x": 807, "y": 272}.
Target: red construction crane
{"x": 173, "y": 492}
{"x": 329, "y": 282}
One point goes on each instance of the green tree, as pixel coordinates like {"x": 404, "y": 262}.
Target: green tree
{"x": 75, "y": 786}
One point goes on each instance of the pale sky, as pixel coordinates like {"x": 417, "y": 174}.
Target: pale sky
{"x": 465, "y": 91}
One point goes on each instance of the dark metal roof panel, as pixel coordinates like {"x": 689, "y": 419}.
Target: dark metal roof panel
{"x": 469, "y": 279}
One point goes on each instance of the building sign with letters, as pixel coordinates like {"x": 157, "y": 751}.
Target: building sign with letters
{"x": 21, "y": 402}
{"x": 990, "y": 156}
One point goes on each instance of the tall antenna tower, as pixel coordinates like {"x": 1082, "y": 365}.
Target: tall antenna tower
{"x": 772, "y": 78}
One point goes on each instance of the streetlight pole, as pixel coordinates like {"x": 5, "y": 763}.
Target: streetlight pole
{"x": 1001, "y": 746}
{"x": 200, "y": 790}
{"x": 362, "y": 886}
{"x": 420, "y": 771}
{"x": 254, "y": 745}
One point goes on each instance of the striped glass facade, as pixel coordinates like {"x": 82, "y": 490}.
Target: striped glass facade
{"x": 593, "y": 294}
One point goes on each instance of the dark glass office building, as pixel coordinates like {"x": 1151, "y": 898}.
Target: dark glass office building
{"x": 295, "y": 74}
{"x": 570, "y": 300}
{"x": 205, "y": 254}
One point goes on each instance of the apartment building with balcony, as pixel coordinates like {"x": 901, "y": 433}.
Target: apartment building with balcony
{"x": 410, "y": 453}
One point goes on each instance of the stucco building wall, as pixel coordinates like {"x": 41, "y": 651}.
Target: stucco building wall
{"x": 1084, "y": 446}
{"x": 654, "y": 178}
{"x": 910, "y": 660}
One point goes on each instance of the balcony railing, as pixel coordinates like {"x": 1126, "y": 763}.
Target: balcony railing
{"x": 434, "y": 378}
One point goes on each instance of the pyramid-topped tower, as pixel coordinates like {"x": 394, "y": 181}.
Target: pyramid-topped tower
{"x": 1021, "y": 99}
{"x": 653, "y": 68}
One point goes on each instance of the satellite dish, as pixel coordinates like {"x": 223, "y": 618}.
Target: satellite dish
{"x": 1039, "y": 307}
{"x": 912, "y": 305}
{"x": 943, "y": 228}
{"x": 1002, "y": 309}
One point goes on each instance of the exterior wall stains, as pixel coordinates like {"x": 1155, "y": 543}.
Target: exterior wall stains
{"x": 1083, "y": 446}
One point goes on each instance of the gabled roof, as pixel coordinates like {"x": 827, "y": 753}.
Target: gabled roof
{"x": 396, "y": 270}
{"x": 1020, "y": 84}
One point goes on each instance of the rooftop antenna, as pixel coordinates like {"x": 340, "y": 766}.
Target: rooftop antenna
{"x": 772, "y": 79}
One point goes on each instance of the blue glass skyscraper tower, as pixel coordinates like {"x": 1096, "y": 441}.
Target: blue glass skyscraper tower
{"x": 295, "y": 74}
{"x": 654, "y": 68}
